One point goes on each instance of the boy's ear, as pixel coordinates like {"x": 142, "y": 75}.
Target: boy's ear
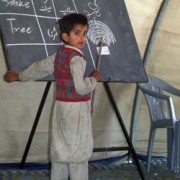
{"x": 65, "y": 37}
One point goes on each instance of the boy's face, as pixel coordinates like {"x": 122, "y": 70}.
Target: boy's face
{"x": 77, "y": 37}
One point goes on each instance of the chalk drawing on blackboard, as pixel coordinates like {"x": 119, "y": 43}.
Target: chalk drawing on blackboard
{"x": 95, "y": 9}
{"x": 97, "y": 30}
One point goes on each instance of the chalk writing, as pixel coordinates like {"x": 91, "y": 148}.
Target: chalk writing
{"x": 97, "y": 29}
{"x": 52, "y": 33}
{"x": 15, "y": 29}
{"x": 16, "y": 3}
{"x": 45, "y": 7}
{"x": 67, "y": 11}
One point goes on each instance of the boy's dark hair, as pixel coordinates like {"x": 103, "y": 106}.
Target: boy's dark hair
{"x": 67, "y": 23}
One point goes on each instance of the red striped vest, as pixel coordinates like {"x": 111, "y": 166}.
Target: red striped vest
{"x": 65, "y": 89}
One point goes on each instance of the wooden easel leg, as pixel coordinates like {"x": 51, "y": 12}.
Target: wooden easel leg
{"x": 131, "y": 148}
{"x": 21, "y": 166}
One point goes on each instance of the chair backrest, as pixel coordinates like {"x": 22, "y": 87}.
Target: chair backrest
{"x": 152, "y": 90}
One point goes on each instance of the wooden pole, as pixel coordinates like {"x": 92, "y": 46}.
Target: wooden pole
{"x": 99, "y": 56}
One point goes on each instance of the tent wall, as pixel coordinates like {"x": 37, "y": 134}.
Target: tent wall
{"x": 20, "y": 101}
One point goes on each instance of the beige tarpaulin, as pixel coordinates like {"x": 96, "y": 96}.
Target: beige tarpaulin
{"x": 20, "y": 101}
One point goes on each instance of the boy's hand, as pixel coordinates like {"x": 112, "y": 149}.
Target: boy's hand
{"x": 11, "y": 76}
{"x": 96, "y": 74}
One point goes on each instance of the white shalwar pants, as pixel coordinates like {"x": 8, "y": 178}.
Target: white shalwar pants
{"x": 77, "y": 171}
{"x": 72, "y": 140}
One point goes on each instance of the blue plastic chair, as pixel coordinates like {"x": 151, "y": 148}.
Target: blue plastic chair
{"x": 162, "y": 114}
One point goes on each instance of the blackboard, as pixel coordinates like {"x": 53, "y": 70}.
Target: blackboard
{"x": 30, "y": 33}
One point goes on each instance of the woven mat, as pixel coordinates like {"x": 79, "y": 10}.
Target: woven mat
{"x": 99, "y": 171}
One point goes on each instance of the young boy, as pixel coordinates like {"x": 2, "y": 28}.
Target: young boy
{"x": 72, "y": 140}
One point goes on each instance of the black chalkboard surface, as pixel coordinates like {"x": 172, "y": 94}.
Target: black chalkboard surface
{"x": 30, "y": 33}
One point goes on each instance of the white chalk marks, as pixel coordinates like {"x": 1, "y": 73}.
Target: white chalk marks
{"x": 97, "y": 30}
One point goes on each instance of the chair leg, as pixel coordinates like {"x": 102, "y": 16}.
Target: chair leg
{"x": 150, "y": 147}
{"x": 177, "y": 148}
{"x": 170, "y": 149}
